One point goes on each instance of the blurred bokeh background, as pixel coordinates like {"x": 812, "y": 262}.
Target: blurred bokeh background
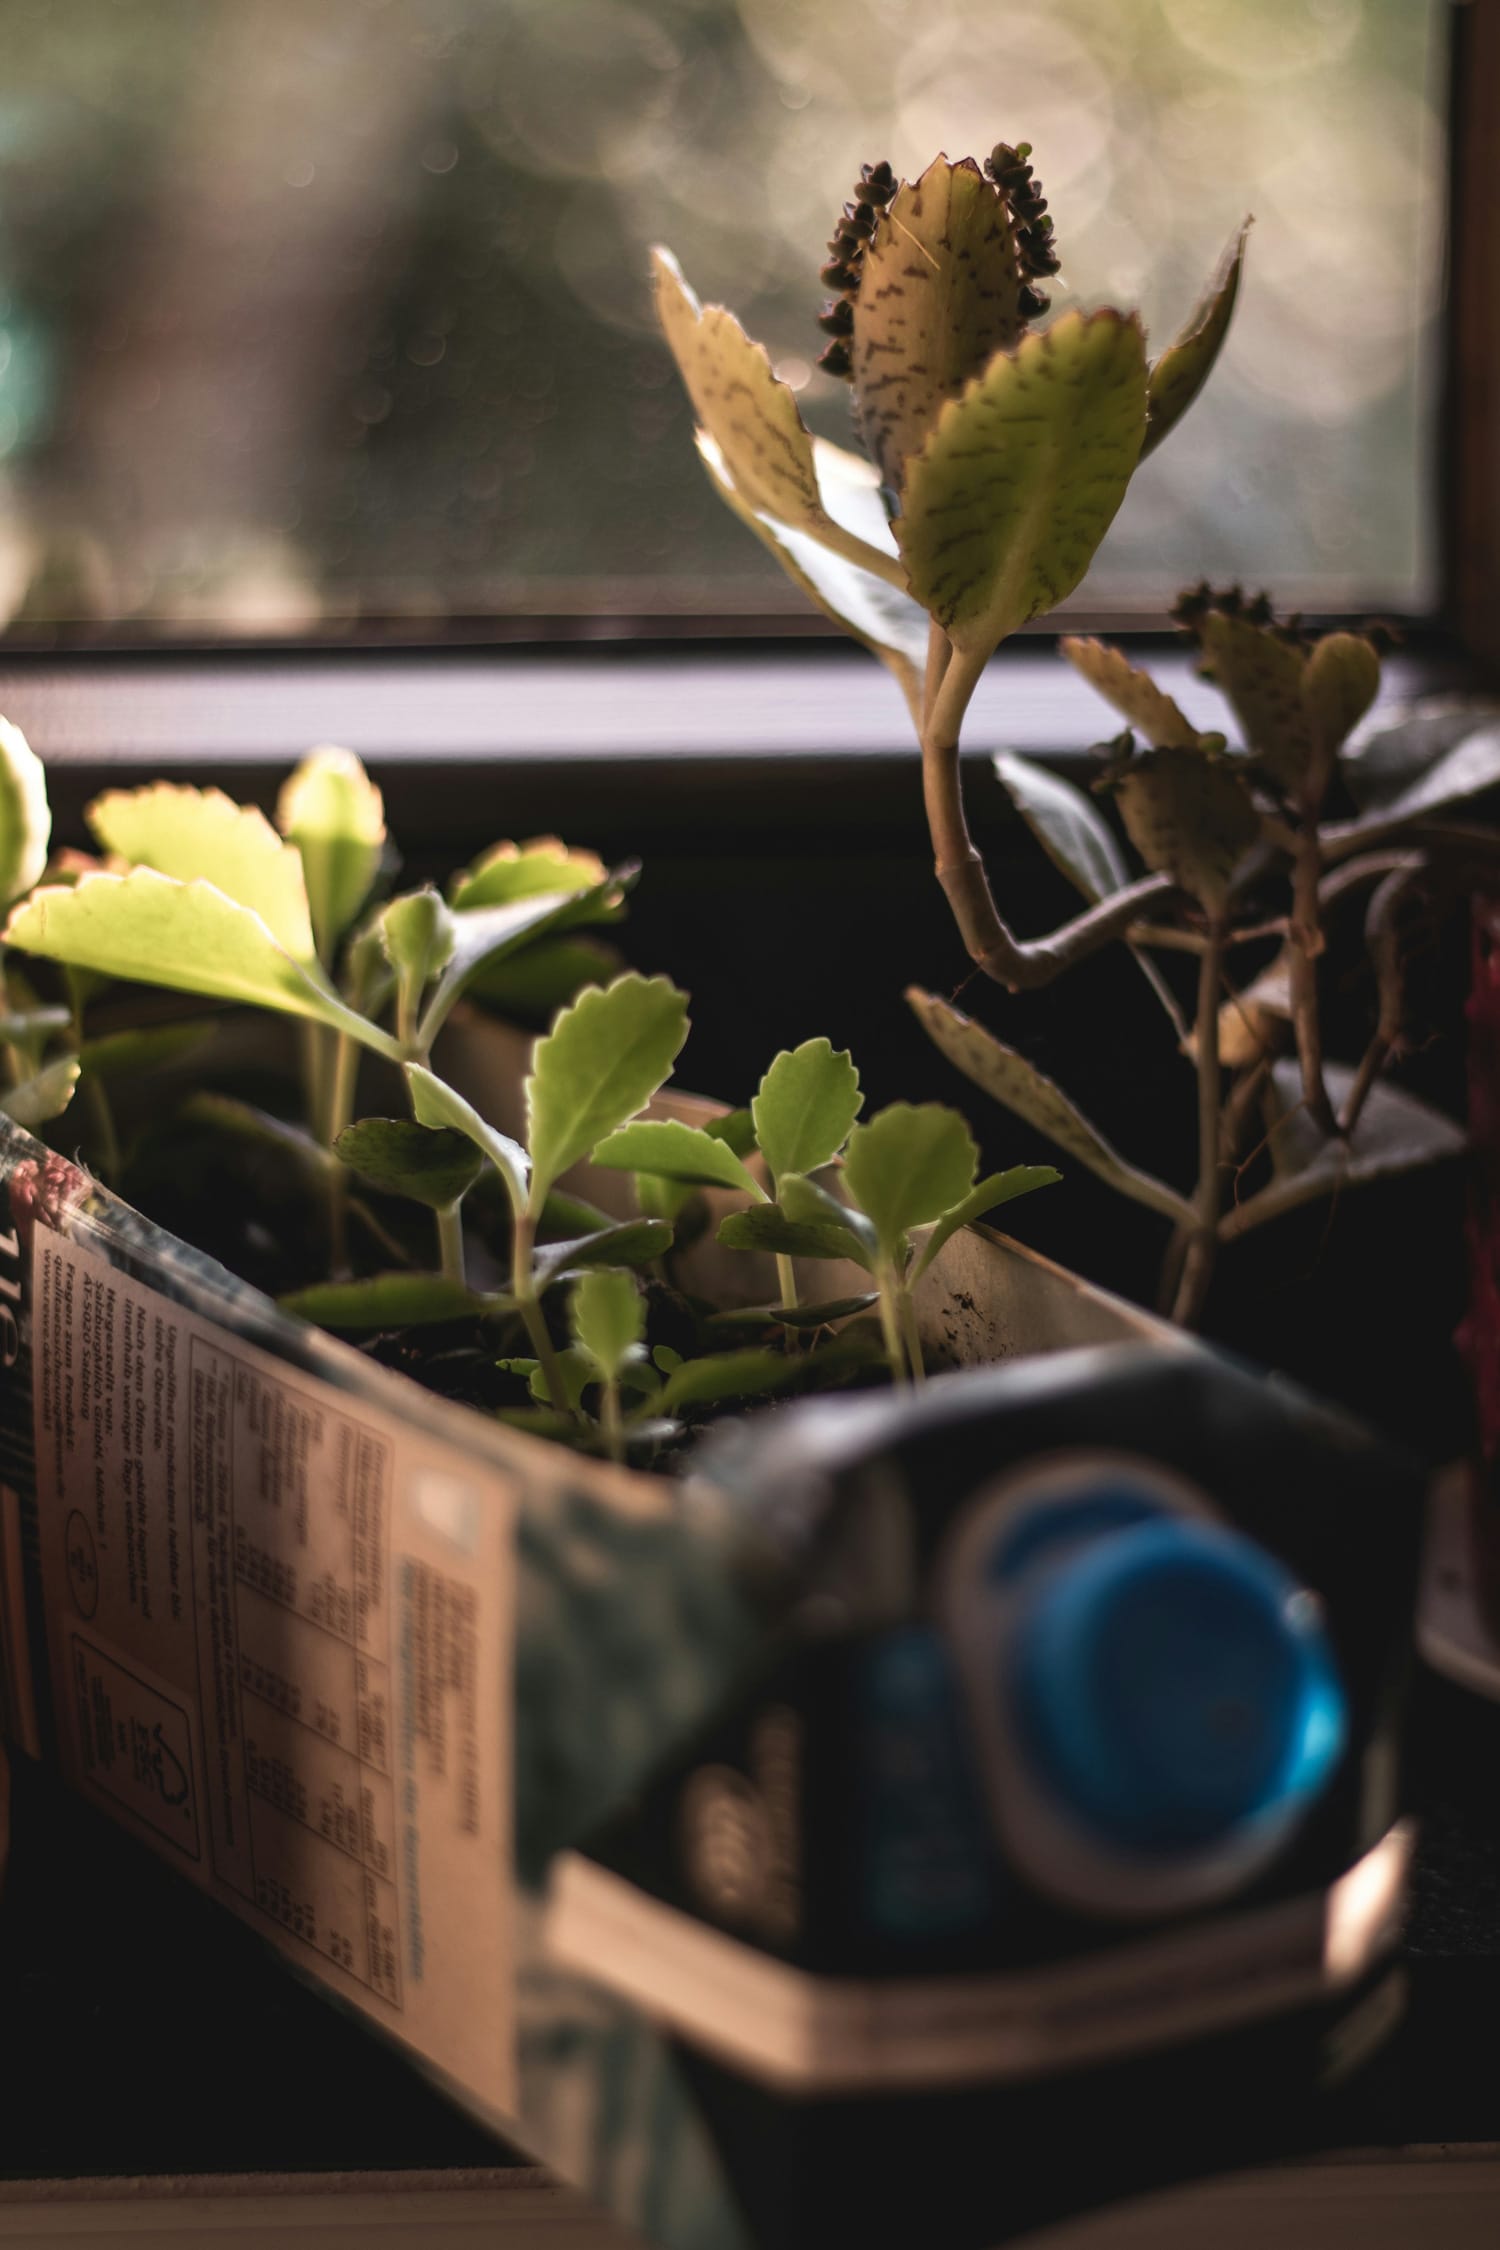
{"x": 321, "y": 311}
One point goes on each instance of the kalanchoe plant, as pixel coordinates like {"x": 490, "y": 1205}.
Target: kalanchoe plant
{"x": 584, "y": 1318}
{"x": 1264, "y": 846}
{"x": 998, "y": 454}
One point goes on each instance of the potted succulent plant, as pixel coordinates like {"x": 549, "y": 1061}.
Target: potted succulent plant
{"x": 246, "y": 1529}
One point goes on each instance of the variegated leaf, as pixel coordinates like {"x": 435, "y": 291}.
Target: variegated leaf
{"x": 1134, "y": 694}
{"x": 1186, "y": 364}
{"x": 1189, "y": 816}
{"x": 939, "y": 295}
{"x": 1021, "y": 1088}
{"x": 1022, "y": 477}
{"x": 764, "y": 445}
{"x": 1260, "y": 676}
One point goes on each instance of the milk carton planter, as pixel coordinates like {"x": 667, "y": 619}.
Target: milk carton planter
{"x": 529, "y": 1757}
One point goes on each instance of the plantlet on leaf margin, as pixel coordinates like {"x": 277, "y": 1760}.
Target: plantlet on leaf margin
{"x": 1003, "y": 452}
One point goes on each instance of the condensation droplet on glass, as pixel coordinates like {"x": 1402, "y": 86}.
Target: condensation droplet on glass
{"x": 426, "y": 350}
{"x": 795, "y": 373}
{"x": 439, "y": 156}
{"x": 300, "y": 174}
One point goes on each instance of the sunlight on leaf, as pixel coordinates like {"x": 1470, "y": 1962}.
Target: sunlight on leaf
{"x": 1188, "y": 361}
{"x": 607, "y": 1315}
{"x": 1134, "y": 694}
{"x": 189, "y": 937}
{"x": 507, "y": 872}
{"x": 25, "y": 815}
{"x": 200, "y": 835}
{"x": 908, "y": 1166}
{"x": 333, "y": 813}
{"x": 435, "y": 1103}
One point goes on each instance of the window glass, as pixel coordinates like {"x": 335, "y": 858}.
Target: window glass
{"x": 318, "y": 312}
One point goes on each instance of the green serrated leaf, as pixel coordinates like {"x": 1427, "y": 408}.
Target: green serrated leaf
{"x": 752, "y": 417}
{"x": 126, "y": 1054}
{"x": 807, "y": 1203}
{"x": 1134, "y": 694}
{"x": 908, "y": 1166}
{"x": 939, "y": 295}
{"x": 1260, "y": 675}
{"x": 435, "y": 1103}
{"x": 674, "y": 1151}
{"x": 723, "y": 1376}
{"x": 601, "y": 1062}
{"x": 804, "y": 1107}
{"x": 388, "y": 1300}
{"x": 483, "y": 935}
{"x": 633, "y": 1242}
{"x": 1021, "y": 1088}
{"x": 1022, "y": 476}
{"x": 1189, "y": 816}
{"x": 544, "y": 866}
{"x": 766, "y": 1228}
{"x": 736, "y": 1129}
{"x": 25, "y": 815}
{"x": 200, "y": 835}
{"x": 1000, "y": 1187}
{"x": 430, "y": 1164}
{"x": 36, "y": 1101}
{"x": 333, "y": 813}
{"x": 607, "y": 1315}
{"x": 886, "y": 619}
{"x": 1186, "y": 364}
{"x": 189, "y": 937}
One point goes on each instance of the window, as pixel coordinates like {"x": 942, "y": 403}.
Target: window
{"x": 318, "y": 314}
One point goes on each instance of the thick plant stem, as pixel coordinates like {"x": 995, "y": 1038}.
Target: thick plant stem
{"x": 1306, "y": 945}
{"x": 1198, "y": 1264}
{"x": 1001, "y": 955}
{"x": 450, "y": 1227}
{"x": 786, "y": 1279}
{"x": 528, "y": 1305}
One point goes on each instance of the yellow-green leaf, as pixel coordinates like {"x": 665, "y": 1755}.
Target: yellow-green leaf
{"x": 435, "y": 1104}
{"x": 752, "y": 416}
{"x": 601, "y": 1062}
{"x": 908, "y": 1166}
{"x": 1000, "y": 1187}
{"x": 188, "y": 937}
{"x": 939, "y": 295}
{"x": 333, "y": 813}
{"x": 804, "y": 1107}
{"x": 607, "y": 1315}
{"x": 511, "y": 871}
{"x": 200, "y": 835}
{"x": 1134, "y": 694}
{"x": 1022, "y": 477}
{"x": 36, "y": 1101}
{"x": 25, "y": 816}
{"x": 1260, "y": 675}
{"x": 670, "y": 1150}
{"x": 886, "y": 620}
{"x": 1023, "y": 1089}
{"x": 1339, "y": 683}
{"x": 1186, "y": 364}
{"x": 1189, "y": 816}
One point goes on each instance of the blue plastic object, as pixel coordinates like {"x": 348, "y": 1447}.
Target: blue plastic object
{"x": 1171, "y": 1689}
